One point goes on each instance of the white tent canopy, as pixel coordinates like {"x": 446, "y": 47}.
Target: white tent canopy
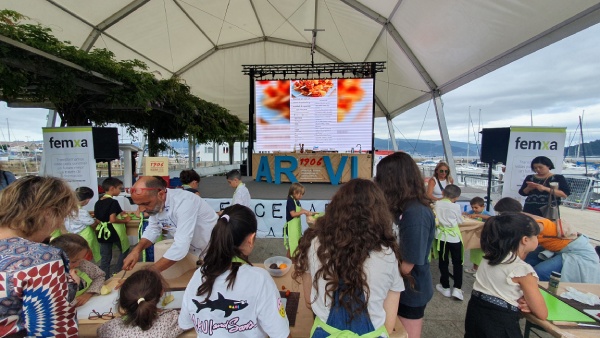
{"x": 430, "y": 47}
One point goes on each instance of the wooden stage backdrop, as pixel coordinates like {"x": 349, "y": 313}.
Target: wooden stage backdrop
{"x": 312, "y": 167}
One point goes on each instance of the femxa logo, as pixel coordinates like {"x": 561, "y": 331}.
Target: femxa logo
{"x": 535, "y": 145}
{"x": 68, "y": 143}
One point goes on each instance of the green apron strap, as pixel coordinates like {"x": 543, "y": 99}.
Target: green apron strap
{"x": 453, "y": 231}
{"x": 236, "y": 259}
{"x": 55, "y": 233}
{"x": 121, "y": 230}
{"x": 88, "y": 281}
{"x": 336, "y": 333}
{"x": 103, "y": 231}
{"x": 294, "y": 231}
{"x": 140, "y": 233}
{"x": 90, "y": 236}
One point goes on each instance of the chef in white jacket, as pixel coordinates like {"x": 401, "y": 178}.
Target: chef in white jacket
{"x": 186, "y": 217}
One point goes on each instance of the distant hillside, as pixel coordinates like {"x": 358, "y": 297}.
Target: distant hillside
{"x": 591, "y": 149}
{"x": 428, "y": 148}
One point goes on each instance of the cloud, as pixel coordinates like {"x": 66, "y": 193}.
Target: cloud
{"x": 555, "y": 85}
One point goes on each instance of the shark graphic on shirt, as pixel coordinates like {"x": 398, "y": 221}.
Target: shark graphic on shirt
{"x": 221, "y": 303}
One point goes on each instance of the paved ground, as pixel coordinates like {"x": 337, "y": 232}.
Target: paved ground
{"x": 444, "y": 317}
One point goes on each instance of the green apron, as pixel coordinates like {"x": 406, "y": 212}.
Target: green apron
{"x": 476, "y": 256}
{"x": 337, "y": 333}
{"x": 55, "y": 233}
{"x": 292, "y": 231}
{"x": 454, "y": 231}
{"x": 88, "y": 281}
{"x": 90, "y": 236}
{"x": 120, "y": 229}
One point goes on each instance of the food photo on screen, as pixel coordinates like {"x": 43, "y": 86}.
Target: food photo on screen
{"x": 313, "y": 88}
{"x": 273, "y": 102}
{"x": 355, "y": 99}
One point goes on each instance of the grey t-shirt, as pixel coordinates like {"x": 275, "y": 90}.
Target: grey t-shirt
{"x": 6, "y": 178}
{"x": 417, "y": 230}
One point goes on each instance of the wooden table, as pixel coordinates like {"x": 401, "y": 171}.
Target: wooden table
{"x": 564, "y": 331}
{"x": 304, "y": 317}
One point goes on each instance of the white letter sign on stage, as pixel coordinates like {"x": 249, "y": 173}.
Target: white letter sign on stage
{"x": 524, "y": 145}
{"x": 270, "y": 214}
{"x": 69, "y": 154}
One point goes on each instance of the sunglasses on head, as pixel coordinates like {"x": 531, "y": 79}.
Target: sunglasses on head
{"x": 443, "y": 171}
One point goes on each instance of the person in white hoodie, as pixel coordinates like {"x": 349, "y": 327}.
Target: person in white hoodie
{"x": 187, "y": 218}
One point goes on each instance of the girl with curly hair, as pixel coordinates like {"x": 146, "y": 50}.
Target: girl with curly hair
{"x": 349, "y": 264}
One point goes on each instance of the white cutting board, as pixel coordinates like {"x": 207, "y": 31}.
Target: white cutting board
{"x": 103, "y": 303}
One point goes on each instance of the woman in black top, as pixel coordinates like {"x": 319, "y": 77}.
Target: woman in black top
{"x": 537, "y": 187}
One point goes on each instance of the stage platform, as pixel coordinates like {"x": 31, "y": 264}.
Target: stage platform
{"x": 217, "y": 187}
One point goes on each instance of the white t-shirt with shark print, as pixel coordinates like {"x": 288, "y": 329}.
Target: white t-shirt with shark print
{"x": 252, "y": 308}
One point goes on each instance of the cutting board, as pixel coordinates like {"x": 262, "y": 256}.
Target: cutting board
{"x": 104, "y": 303}
{"x": 561, "y": 311}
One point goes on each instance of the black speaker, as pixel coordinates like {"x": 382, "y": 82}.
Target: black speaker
{"x": 106, "y": 143}
{"x": 494, "y": 144}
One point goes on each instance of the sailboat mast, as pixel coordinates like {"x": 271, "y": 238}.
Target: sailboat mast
{"x": 582, "y": 145}
{"x": 468, "y": 134}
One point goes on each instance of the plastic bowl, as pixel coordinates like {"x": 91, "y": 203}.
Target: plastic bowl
{"x": 278, "y": 260}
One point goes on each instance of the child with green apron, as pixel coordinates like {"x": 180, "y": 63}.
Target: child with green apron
{"x": 111, "y": 230}
{"x": 88, "y": 278}
{"x": 292, "y": 230}
{"x": 84, "y": 224}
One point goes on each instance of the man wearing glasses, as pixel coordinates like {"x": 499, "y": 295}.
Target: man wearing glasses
{"x": 186, "y": 217}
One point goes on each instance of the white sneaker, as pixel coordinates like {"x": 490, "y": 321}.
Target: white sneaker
{"x": 444, "y": 291}
{"x": 457, "y": 293}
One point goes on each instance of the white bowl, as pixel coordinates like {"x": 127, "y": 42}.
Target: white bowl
{"x": 278, "y": 260}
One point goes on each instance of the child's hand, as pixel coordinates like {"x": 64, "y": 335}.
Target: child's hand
{"x": 76, "y": 279}
{"x": 79, "y": 301}
{"x": 523, "y": 305}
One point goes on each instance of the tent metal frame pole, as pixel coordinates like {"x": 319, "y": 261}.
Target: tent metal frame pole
{"x": 251, "y": 74}
{"x": 439, "y": 111}
{"x": 390, "y": 125}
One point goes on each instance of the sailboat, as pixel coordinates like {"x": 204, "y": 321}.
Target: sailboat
{"x": 570, "y": 168}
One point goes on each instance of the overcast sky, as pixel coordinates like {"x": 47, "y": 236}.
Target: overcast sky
{"x": 555, "y": 85}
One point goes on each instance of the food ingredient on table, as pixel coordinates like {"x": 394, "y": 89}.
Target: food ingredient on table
{"x": 168, "y": 299}
{"x": 104, "y": 290}
{"x": 273, "y": 266}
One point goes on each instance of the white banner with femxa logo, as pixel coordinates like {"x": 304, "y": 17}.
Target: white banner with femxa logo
{"x": 270, "y": 214}
{"x": 69, "y": 154}
{"x": 524, "y": 145}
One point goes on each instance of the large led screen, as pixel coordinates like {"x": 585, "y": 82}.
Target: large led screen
{"x": 324, "y": 114}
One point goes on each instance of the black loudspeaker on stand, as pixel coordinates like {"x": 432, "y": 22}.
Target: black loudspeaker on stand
{"x": 106, "y": 145}
{"x": 494, "y": 149}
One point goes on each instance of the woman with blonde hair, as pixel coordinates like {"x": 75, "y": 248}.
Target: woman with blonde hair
{"x": 440, "y": 179}
{"x": 32, "y": 208}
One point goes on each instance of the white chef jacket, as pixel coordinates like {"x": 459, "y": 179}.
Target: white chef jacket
{"x": 241, "y": 196}
{"x": 188, "y": 219}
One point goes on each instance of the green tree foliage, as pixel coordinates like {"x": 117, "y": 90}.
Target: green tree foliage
{"x": 125, "y": 93}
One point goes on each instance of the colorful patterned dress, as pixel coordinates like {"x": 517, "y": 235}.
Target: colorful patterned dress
{"x": 34, "y": 291}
